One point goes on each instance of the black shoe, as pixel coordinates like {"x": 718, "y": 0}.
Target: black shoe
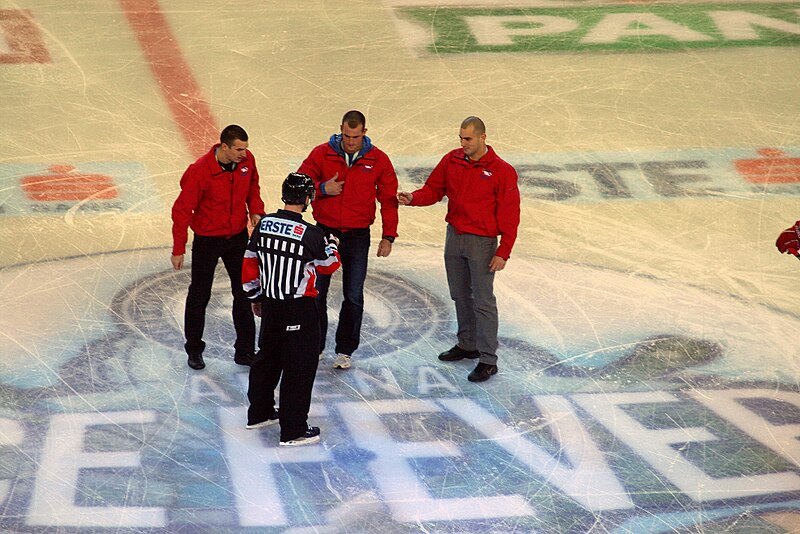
{"x": 457, "y": 353}
{"x": 306, "y": 438}
{"x": 271, "y": 420}
{"x": 196, "y": 361}
{"x": 246, "y": 358}
{"x": 482, "y": 372}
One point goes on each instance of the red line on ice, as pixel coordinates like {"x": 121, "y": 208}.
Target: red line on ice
{"x": 173, "y": 75}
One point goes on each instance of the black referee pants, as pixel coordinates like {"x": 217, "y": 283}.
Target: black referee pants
{"x": 289, "y": 354}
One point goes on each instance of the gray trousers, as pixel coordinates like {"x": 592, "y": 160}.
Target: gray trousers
{"x": 466, "y": 261}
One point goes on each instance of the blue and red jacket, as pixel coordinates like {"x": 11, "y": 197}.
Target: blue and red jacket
{"x": 370, "y": 178}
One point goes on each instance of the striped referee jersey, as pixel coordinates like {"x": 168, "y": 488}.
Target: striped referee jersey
{"x": 283, "y": 257}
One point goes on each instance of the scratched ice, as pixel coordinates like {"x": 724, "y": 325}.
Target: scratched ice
{"x": 648, "y": 363}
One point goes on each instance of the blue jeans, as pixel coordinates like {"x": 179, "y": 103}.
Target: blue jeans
{"x": 354, "y": 253}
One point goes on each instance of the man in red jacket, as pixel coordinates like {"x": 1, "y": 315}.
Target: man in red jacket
{"x": 788, "y": 241}
{"x": 350, "y": 174}
{"x": 218, "y": 193}
{"x": 483, "y": 202}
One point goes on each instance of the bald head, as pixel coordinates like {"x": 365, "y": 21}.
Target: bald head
{"x": 477, "y": 125}
{"x": 473, "y": 138}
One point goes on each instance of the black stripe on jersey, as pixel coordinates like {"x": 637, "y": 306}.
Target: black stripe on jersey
{"x": 283, "y": 267}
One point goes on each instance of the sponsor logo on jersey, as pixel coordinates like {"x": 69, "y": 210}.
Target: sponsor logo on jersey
{"x": 283, "y": 227}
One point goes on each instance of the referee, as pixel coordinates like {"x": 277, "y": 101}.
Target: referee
{"x": 280, "y": 267}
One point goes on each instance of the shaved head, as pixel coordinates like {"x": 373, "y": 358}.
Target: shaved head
{"x": 476, "y": 123}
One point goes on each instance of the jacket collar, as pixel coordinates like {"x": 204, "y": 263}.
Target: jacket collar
{"x": 335, "y": 142}
{"x": 213, "y": 165}
{"x": 487, "y": 158}
{"x": 298, "y": 217}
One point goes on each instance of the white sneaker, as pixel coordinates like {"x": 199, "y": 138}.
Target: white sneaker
{"x": 342, "y": 361}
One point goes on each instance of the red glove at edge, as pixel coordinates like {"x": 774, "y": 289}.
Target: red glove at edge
{"x": 789, "y": 240}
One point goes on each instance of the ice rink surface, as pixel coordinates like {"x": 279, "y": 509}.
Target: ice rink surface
{"x": 649, "y": 327}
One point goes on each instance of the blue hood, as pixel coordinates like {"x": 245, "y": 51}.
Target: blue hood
{"x": 335, "y": 143}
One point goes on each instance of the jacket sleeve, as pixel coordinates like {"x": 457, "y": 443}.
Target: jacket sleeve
{"x": 435, "y": 186}
{"x": 508, "y": 212}
{"x": 254, "y": 202}
{"x": 326, "y": 256}
{"x": 251, "y": 269}
{"x": 387, "y": 196}
{"x": 183, "y": 209}
{"x": 312, "y": 166}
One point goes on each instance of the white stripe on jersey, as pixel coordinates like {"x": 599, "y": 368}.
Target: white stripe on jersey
{"x": 284, "y": 271}
{"x": 280, "y": 254}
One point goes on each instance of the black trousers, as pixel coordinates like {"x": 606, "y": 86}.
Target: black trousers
{"x": 289, "y": 354}
{"x": 206, "y": 253}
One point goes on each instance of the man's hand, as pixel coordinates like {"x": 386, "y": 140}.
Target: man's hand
{"x": 177, "y": 262}
{"x": 405, "y": 198}
{"x": 256, "y": 308}
{"x": 255, "y": 218}
{"x": 331, "y": 244}
{"x": 384, "y": 248}
{"x": 497, "y": 264}
{"x": 332, "y": 187}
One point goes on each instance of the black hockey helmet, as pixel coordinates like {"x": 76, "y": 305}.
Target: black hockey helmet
{"x": 296, "y": 188}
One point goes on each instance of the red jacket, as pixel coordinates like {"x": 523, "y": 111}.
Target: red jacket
{"x": 214, "y": 202}
{"x": 371, "y": 178}
{"x": 482, "y": 196}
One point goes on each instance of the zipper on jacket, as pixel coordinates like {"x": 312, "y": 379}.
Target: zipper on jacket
{"x": 230, "y": 202}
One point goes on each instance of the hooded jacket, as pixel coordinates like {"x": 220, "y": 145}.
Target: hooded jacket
{"x": 371, "y": 177}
